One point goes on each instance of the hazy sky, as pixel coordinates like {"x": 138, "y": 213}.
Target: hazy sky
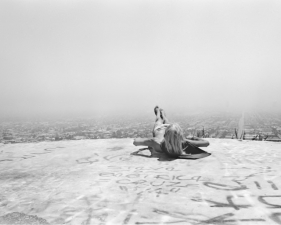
{"x": 60, "y": 57}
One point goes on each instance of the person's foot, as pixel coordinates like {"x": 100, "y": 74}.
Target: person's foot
{"x": 162, "y": 113}
{"x": 156, "y": 108}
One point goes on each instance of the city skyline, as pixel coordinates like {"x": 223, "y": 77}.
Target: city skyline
{"x": 255, "y": 126}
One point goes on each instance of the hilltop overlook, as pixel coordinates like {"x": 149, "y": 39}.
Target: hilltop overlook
{"x": 101, "y": 182}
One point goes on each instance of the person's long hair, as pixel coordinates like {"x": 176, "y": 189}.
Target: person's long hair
{"x": 173, "y": 138}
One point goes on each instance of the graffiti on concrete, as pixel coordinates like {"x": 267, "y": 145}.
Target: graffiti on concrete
{"x": 115, "y": 187}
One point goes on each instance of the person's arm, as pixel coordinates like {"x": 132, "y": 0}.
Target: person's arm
{"x": 194, "y": 156}
{"x": 150, "y": 142}
{"x": 143, "y": 142}
{"x": 198, "y": 142}
{"x": 140, "y": 150}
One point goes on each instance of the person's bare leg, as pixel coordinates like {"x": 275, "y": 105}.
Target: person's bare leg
{"x": 150, "y": 142}
{"x": 163, "y": 114}
{"x": 158, "y": 120}
{"x": 155, "y": 111}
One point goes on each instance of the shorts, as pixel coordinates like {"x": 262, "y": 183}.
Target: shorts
{"x": 161, "y": 127}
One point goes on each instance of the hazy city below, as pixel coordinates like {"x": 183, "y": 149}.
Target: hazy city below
{"x": 111, "y": 60}
{"x": 257, "y": 126}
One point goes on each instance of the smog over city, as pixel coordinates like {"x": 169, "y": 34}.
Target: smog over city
{"x": 96, "y": 69}
{"x": 102, "y": 57}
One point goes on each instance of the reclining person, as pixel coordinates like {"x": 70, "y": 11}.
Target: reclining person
{"x": 169, "y": 138}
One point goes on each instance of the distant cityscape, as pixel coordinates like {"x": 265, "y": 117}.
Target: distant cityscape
{"x": 258, "y": 126}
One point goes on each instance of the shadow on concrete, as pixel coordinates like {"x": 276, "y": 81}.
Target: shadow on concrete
{"x": 164, "y": 157}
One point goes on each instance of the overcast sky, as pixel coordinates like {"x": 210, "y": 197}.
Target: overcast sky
{"x": 62, "y": 57}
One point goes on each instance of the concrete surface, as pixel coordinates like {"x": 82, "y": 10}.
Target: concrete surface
{"x": 100, "y": 182}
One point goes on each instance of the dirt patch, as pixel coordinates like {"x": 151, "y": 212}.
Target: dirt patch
{"x": 21, "y": 218}
{"x": 115, "y": 148}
